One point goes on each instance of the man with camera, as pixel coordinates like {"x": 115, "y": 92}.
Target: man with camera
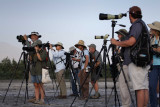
{"x": 155, "y": 72}
{"x": 59, "y": 61}
{"x": 83, "y": 74}
{"x": 95, "y": 73}
{"x": 124, "y": 92}
{"x": 76, "y": 70}
{"x": 37, "y": 58}
{"x": 138, "y": 75}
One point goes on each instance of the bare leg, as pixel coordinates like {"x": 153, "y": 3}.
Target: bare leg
{"x": 142, "y": 98}
{"x": 36, "y": 91}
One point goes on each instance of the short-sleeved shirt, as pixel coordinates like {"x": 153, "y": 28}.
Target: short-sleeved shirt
{"x": 95, "y": 55}
{"x": 156, "y": 60}
{"x": 83, "y": 59}
{"x": 36, "y": 64}
{"x": 59, "y": 59}
{"x": 135, "y": 31}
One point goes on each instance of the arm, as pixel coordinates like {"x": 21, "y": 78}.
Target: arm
{"x": 127, "y": 43}
{"x": 86, "y": 62}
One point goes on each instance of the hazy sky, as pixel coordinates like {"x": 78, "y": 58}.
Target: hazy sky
{"x": 67, "y": 21}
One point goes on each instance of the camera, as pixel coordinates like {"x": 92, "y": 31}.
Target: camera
{"x": 29, "y": 49}
{"x": 155, "y": 53}
{"x": 20, "y": 38}
{"x": 155, "y": 46}
{"x": 109, "y": 16}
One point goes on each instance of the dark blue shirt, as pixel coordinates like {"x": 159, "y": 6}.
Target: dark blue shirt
{"x": 135, "y": 31}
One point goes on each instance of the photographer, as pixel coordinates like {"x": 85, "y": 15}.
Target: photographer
{"x": 76, "y": 70}
{"x": 155, "y": 73}
{"x": 37, "y": 58}
{"x": 138, "y": 75}
{"x": 59, "y": 61}
{"x": 94, "y": 74}
{"x": 124, "y": 92}
{"x": 84, "y": 80}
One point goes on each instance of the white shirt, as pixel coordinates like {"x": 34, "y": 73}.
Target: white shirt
{"x": 59, "y": 59}
{"x": 76, "y": 63}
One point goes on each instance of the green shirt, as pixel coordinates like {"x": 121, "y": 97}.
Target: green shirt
{"x": 36, "y": 64}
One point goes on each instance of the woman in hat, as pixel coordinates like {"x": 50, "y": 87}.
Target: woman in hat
{"x": 155, "y": 73}
{"x": 59, "y": 61}
{"x": 83, "y": 74}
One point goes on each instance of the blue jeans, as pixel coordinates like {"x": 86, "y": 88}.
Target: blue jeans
{"x": 154, "y": 76}
{"x": 74, "y": 79}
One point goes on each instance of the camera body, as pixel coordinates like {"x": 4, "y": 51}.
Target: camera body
{"x": 155, "y": 53}
{"x": 20, "y": 38}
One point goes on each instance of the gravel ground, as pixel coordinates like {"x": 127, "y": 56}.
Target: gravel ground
{"x": 11, "y": 99}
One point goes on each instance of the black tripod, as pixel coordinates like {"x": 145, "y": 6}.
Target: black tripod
{"x": 26, "y": 74}
{"x": 69, "y": 66}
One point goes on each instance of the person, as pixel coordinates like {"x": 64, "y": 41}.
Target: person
{"x": 95, "y": 71}
{"x": 74, "y": 76}
{"x": 37, "y": 59}
{"x": 83, "y": 74}
{"x": 124, "y": 92}
{"x": 155, "y": 73}
{"x": 138, "y": 75}
{"x": 59, "y": 61}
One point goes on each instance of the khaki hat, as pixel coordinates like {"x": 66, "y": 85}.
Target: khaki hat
{"x": 123, "y": 32}
{"x": 155, "y": 25}
{"x": 34, "y": 33}
{"x": 37, "y": 42}
{"x": 80, "y": 43}
{"x": 59, "y": 44}
{"x": 92, "y": 45}
{"x": 72, "y": 48}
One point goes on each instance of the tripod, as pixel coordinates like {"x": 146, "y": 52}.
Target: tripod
{"x": 26, "y": 72}
{"x": 74, "y": 76}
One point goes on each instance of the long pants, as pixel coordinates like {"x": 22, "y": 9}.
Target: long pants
{"x": 84, "y": 86}
{"x": 154, "y": 75}
{"x": 124, "y": 92}
{"x": 61, "y": 82}
{"x": 74, "y": 79}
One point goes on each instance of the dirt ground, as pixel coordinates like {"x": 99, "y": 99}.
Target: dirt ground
{"x": 12, "y": 98}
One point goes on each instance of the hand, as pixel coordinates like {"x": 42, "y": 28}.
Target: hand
{"x": 50, "y": 46}
{"x": 25, "y": 37}
{"x": 113, "y": 41}
{"x": 36, "y": 48}
{"x": 155, "y": 49}
{"x": 74, "y": 59}
{"x": 158, "y": 49}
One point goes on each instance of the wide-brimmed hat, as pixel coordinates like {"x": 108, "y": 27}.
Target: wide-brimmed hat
{"x": 59, "y": 44}
{"x": 123, "y": 32}
{"x": 155, "y": 25}
{"x": 72, "y": 48}
{"x": 34, "y": 33}
{"x": 37, "y": 42}
{"x": 80, "y": 43}
{"x": 92, "y": 45}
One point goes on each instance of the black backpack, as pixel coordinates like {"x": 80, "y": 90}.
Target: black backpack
{"x": 140, "y": 52}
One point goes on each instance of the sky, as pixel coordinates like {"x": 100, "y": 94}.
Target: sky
{"x": 66, "y": 21}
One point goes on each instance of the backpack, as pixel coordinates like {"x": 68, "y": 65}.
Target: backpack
{"x": 140, "y": 52}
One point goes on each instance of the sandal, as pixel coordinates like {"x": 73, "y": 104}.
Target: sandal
{"x": 95, "y": 97}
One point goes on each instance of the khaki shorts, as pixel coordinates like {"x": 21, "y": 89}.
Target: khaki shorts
{"x": 139, "y": 76}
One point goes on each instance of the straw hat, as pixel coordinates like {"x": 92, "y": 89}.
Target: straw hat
{"x": 59, "y": 44}
{"x": 80, "y": 43}
{"x": 155, "y": 25}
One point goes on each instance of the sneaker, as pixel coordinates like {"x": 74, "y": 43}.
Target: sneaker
{"x": 39, "y": 102}
{"x": 32, "y": 100}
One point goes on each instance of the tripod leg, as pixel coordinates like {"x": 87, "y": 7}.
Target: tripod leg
{"x": 20, "y": 89}
{"x": 13, "y": 75}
